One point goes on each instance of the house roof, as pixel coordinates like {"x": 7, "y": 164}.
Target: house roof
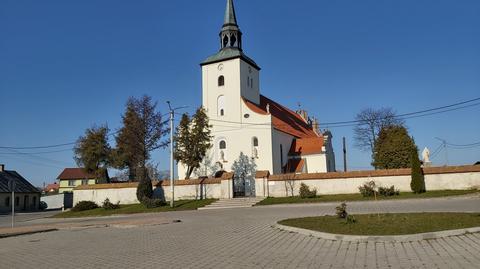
{"x": 295, "y": 166}
{"x": 306, "y": 146}
{"x": 75, "y": 173}
{"x": 283, "y": 119}
{"x": 21, "y": 184}
{"x": 53, "y": 186}
{"x": 229, "y": 54}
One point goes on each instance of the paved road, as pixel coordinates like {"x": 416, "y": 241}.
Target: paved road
{"x": 239, "y": 238}
{"x": 23, "y": 219}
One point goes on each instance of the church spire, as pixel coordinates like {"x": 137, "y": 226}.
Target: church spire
{"x": 230, "y": 36}
{"x": 230, "y": 18}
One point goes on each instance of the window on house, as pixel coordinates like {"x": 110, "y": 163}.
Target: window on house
{"x": 85, "y": 182}
{"x": 221, "y": 81}
{"x": 223, "y": 144}
{"x": 255, "y": 142}
{"x": 7, "y": 201}
{"x": 71, "y": 183}
{"x": 17, "y": 201}
{"x": 34, "y": 201}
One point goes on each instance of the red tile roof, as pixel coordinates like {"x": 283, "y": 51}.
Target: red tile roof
{"x": 295, "y": 166}
{"x": 75, "y": 173}
{"x": 306, "y": 146}
{"x": 283, "y": 119}
{"x": 52, "y": 187}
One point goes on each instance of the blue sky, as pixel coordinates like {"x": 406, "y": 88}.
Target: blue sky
{"x": 65, "y": 65}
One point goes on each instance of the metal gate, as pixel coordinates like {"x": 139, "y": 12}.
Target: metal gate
{"x": 243, "y": 187}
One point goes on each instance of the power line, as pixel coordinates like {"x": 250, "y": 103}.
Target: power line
{"x": 41, "y": 147}
{"x": 354, "y": 123}
{"x": 411, "y": 113}
{"x": 338, "y": 124}
{"x": 40, "y": 152}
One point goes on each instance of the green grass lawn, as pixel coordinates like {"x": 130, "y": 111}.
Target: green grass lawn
{"x": 137, "y": 208}
{"x": 359, "y": 197}
{"x": 388, "y": 224}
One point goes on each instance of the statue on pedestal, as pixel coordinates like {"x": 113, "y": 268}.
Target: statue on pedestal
{"x": 426, "y": 157}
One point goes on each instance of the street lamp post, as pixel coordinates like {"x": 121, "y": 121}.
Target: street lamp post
{"x": 172, "y": 164}
{"x": 11, "y": 184}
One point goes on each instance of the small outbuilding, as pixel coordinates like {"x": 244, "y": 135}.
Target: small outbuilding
{"x": 27, "y": 197}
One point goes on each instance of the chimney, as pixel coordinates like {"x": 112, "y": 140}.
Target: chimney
{"x": 2, "y": 167}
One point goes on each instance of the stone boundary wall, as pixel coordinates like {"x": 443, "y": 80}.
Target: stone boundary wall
{"x": 58, "y": 201}
{"x": 436, "y": 178}
{"x": 126, "y": 193}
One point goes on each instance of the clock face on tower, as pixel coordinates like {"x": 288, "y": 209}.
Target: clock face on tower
{"x": 220, "y": 67}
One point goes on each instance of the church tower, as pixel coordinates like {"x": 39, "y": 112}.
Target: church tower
{"x": 229, "y": 75}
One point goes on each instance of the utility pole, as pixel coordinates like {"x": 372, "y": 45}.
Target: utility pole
{"x": 172, "y": 164}
{"x": 12, "y": 184}
{"x": 344, "y": 155}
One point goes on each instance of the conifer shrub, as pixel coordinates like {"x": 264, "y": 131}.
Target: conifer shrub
{"x": 305, "y": 192}
{"x": 84, "y": 206}
{"x": 43, "y": 205}
{"x": 153, "y": 203}
{"x": 418, "y": 180}
{"x": 388, "y": 191}
{"x": 341, "y": 211}
{"x": 107, "y": 205}
{"x": 144, "y": 188}
{"x": 368, "y": 189}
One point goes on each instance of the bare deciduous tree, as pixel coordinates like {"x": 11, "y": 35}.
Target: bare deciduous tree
{"x": 370, "y": 122}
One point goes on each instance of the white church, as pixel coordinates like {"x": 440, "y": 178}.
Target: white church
{"x": 278, "y": 139}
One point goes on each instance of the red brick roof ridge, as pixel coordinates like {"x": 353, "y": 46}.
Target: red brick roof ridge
{"x": 283, "y": 118}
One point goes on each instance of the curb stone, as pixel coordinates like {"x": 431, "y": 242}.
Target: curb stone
{"x": 26, "y": 233}
{"x": 374, "y": 238}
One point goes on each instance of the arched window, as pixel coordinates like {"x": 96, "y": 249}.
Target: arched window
{"x": 255, "y": 147}
{"x": 7, "y": 201}
{"x": 255, "y": 142}
{"x": 221, "y": 81}
{"x": 222, "y": 144}
{"x": 221, "y": 105}
{"x": 222, "y": 151}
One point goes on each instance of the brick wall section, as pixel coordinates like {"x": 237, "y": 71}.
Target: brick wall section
{"x": 376, "y": 173}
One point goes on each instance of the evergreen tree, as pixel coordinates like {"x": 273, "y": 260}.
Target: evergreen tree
{"x": 370, "y": 122}
{"x": 393, "y": 148}
{"x": 418, "y": 180}
{"x": 142, "y": 131}
{"x": 144, "y": 188}
{"x": 92, "y": 151}
{"x": 192, "y": 140}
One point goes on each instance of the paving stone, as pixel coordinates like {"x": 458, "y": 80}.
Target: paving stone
{"x": 239, "y": 238}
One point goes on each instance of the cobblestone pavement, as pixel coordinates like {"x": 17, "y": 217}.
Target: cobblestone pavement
{"x": 242, "y": 238}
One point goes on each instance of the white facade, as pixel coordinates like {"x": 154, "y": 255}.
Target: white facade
{"x": 230, "y": 80}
